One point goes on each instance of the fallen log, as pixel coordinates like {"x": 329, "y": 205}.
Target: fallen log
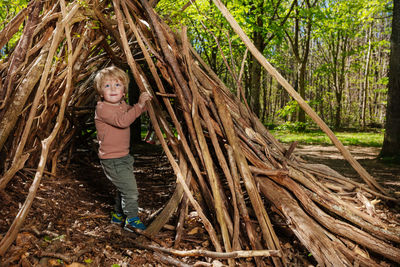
{"x": 307, "y": 230}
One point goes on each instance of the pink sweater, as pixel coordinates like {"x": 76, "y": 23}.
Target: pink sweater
{"x": 112, "y": 124}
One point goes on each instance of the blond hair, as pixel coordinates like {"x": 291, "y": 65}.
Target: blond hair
{"x": 111, "y": 72}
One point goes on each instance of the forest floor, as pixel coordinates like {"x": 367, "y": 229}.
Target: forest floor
{"x": 69, "y": 222}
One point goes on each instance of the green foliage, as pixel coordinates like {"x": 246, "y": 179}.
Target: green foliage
{"x": 270, "y": 125}
{"x": 290, "y": 108}
{"x": 374, "y": 8}
{"x": 83, "y": 3}
{"x": 293, "y": 126}
{"x": 383, "y": 81}
{"x": 206, "y": 28}
{"x": 317, "y": 137}
{"x": 8, "y": 9}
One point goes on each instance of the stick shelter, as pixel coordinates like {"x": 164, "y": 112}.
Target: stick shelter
{"x": 228, "y": 167}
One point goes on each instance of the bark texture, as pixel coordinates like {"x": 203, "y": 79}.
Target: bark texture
{"x": 391, "y": 142}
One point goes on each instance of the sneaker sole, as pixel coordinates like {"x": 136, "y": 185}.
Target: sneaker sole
{"x": 132, "y": 229}
{"x": 127, "y": 228}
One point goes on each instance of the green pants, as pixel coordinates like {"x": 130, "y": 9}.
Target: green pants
{"x": 120, "y": 172}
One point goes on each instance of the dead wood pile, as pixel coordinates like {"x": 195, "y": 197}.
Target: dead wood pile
{"x": 228, "y": 166}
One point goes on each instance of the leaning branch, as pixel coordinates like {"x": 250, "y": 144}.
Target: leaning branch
{"x": 212, "y": 254}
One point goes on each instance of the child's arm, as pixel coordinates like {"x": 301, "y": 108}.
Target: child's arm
{"x": 117, "y": 117}
{"x": 143, "y": 98}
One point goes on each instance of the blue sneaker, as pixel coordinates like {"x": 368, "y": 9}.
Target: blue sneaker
{"x": 134, "y": 222}
{"x": 117, "y": 218}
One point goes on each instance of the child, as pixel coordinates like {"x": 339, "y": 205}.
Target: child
{"x": 112, "y": 118}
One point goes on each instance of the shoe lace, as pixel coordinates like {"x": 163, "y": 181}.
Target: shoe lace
{"x": 137, "y": 222}
{"x": 117, "y": 216}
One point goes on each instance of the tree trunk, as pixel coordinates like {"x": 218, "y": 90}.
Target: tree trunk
{"x": 338, "y": 110}
{"x": 391, "y": 143}
{"x": 366, "y": 84}
{"x": 300, "y": 44}
{"x": 255, "y": 71}
{"x": 255, "y": 87}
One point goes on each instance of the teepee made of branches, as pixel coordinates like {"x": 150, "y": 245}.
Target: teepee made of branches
{"x": 229, "y": 168}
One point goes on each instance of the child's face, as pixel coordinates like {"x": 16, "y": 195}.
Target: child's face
{"x": 112, "y": 90}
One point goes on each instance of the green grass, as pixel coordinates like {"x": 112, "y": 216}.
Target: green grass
{"x": 371, "y": 139}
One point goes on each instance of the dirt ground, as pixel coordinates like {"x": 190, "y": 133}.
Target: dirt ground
{"x": 69, "y": 223}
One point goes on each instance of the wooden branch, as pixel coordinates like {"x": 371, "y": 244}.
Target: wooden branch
{"x": 46, "y": 144}
{"x": 212, "y": 254}
{"x": 343, "y": 180}
{"x": 305, "y": 228}
{"x": 339, "y": 227}
{"x": 181, "y": 220}
{"x": 290, "y": 150}
{"x": 169, "y": 260}
{"x": 46, "y": 19}
{"x": 225, "y": 168}
{"x": 43, "y": 82}
{"x": 165, "y": 47}
{"x": 21, "y": 95}
{"x": 108, "y": 25}
{"x": 345, "y": 210}
{"x": 14, "y": 169}
{"x": 212, "y": 175}
{"x": 39, "y": 46}
{"x": 251, "y": 232}
{"x": 173, "y": 202}
{"x": 166, "y": 95}
{"x": 268, "y": 233}
{"x": 256, "y": 170}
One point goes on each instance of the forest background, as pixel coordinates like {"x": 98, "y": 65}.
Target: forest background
{"x": 335, "y": 53}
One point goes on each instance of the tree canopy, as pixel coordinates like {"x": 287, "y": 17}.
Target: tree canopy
{"x": 344, "y": 65}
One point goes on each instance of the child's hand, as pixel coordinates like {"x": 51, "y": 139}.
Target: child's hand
{"x": 143, "y": 98}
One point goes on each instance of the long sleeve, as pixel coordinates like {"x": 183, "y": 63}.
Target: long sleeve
{"x": 113, "y": 132}
{"x": 118, "y": 116}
